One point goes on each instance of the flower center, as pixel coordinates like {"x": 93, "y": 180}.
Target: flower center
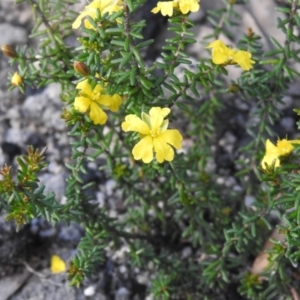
{"x": 154, "y": 132}
{"x": 95, "y": 96}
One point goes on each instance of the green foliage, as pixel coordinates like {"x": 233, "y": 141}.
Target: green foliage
{"x": 174, "y": 204}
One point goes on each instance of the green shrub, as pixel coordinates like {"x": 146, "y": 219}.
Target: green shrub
{"x": 172, "y": 198}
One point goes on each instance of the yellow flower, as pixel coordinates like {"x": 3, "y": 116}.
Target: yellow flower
{"x": 154, "y": 135}
{"x": 105, "y": 6}
{"x": 185, "y": 6}
{"x": 57, "y": 264}
{"x": 283, "y": 148}
{"x": 166, "y": 8}
{"x": 16, "y": 80}
{"x": 221, "y": 54}
{"x": 95, "y": 101}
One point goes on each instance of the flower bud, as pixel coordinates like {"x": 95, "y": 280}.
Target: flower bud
{"x": 66, "y": 115}
{"x": 81, "y": 68}
{"x": 234, "y": 88}
{"x": 16, "y": 80}
{"x": 9, "y": 51}
{"x": 250, "y": 32}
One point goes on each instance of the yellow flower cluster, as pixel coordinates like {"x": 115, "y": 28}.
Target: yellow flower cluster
{"x": 185, "y": 6}
{"x": 283, "y": 148}
{"x": 223, "y": 55}
{"x": 152, "y": 128}
{"x": 105, "y": 6}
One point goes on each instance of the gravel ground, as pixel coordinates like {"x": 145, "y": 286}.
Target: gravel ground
{"x": 33, "y": 119}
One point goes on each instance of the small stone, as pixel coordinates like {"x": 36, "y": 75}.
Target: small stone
{"x": 122, "y": 269}
{"x": 54, "y": 167}
{"x": 89, "y": 291}
{"x": 230, "y": 181}
{"x": 123, "y": 292}
{"x": 53, "y": 91}
{"x": 12, "y": 35}
{"x": 186, "y": 252}
{"x": 285, "y": 103}
{"x": 220, "y": 180}
{"x": 100, "y": 199}
{"x": 110, "y": 185}
{"x": 249, "y": 199}
{"x": 54, "y": 183}
{"x": 48, "y": 233}
{"x": 288, "y": 124}
{"x": 71, "y": 234}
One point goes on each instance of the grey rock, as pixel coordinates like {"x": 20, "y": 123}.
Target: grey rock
{"x": 45, "y": 108}
{"x": 122, "y": 294}
{"x": 54, "y": 183}
{"x": 12, "y": 35}
{"x": 48, "y": 233}
{"x": 9, "y": 285}
{"x": 186, "y": 252}
{"x": 71, "y": 234}
{"x": 45, "y": 287}
{"x": 52, "y": 92}
{"x": 89, "y": 291}
{"x": 51, "y": 116}
{"x": 16, "y": 136}
{"x": 288, "y": 123}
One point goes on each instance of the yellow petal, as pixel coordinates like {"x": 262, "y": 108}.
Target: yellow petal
{"x": 188, "y": 5}
{"x": 82, "y": 103}
{"x": 97, "y": 115}
{"x": 216, "y": 43}
{"x": 155, "y": 10}
{"x": 166, "y": 8}
{"x": 163, "y": 150}
{"x": 271, "y": 148}
{"x": 144, "y": 149}
{"x": 90, "y": 10}
{"x": 116, "y": 101}
{"x": 84, "y": 86}
{"x": 105, "y": 6}
{"x": 219, "y": 56}
{"x": 157, "y": 115}
{"x": 111, "y": 6}
{"x": 269, "y": 160}
{"x": 134, "y": 123}
{"x": 87, "y": 24}
{"x": 76, "y": 24}
{"x": 271, "y": 155}
{"x": 112, "y": 102}
{"x": 57, "y": 264}
{"x": 194, "y": 6}
{"x": 172, "y": 137}
{"x": 243, "y": 59}
{"x": 295, "y": 141}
